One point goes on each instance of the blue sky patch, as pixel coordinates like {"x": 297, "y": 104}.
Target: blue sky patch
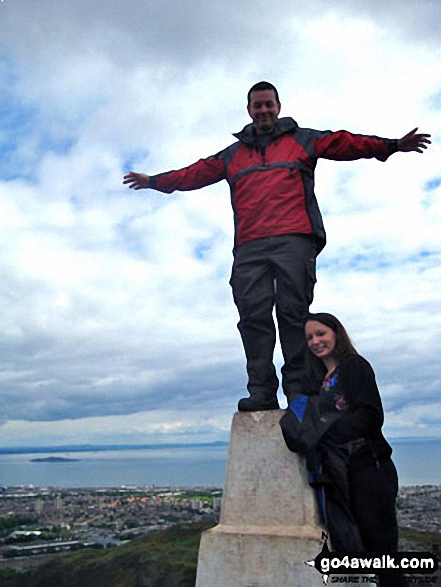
{"x": 435, "y": 101}
{"x": 133, "y": 160}
{"x": 202, "y": 248}
{"x": 432, "y": 184}
{"x": 23, "y": 141}
{"x": 377, "y": 261}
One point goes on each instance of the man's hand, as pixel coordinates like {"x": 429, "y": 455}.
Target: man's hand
{"x": 414, "y": 142}
{"x": 137, "y": 181}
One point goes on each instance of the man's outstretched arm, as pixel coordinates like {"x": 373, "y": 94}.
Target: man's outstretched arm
{"x": 413, "y": 142}
{"x": 198, "y": 175}
{"x": 345, "y": 146}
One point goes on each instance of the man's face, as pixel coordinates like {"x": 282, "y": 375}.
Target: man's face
{"x": 264, "y": 110}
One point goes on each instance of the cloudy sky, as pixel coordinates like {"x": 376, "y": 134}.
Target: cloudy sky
{"x": 116, "y": 317}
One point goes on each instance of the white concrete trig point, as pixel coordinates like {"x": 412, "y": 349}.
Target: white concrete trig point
{"x": 269, "y": 525}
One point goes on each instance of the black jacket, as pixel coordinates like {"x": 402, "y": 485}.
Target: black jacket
{"x": 313, "y": 427}
{"x": 310, "y": 420}
{"x": 364, "y": 417}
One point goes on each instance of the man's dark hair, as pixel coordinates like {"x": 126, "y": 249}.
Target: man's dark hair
{"x": 263, "y": 86}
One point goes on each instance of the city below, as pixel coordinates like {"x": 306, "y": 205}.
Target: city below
{"x": 38, "y": 523}
{"x": 45, "y": 521}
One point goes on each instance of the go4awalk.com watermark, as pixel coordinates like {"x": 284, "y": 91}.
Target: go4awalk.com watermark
{"x": 419, "y": 568}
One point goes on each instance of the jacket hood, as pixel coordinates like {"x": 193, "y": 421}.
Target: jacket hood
{"x": 283, "y": 125}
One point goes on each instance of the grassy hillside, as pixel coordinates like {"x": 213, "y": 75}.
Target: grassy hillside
{"x": 163, "y": 559}
{"x": 422, "y": 541}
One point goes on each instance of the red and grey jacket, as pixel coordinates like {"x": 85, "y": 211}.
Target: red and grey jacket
{"x": 272, "y": 187}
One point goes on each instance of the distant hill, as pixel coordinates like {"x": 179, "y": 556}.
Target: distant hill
{"x": 24, "y": 450}
{"x": 53, "y": 460}
{"x": 163, "y": 559}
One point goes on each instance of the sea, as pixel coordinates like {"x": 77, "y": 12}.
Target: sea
{"x": 418, "y": 463}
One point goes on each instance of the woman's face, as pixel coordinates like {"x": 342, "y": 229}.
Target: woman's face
{"x": 320, "y": 339}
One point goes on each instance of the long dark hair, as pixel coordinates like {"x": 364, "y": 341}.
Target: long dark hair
{"x": 315, "y": 368}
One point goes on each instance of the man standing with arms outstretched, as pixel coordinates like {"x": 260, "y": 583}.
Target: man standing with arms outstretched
{"x": 278, "y": 229}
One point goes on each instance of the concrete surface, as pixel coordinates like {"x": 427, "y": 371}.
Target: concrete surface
{"x": 269, "y": 524}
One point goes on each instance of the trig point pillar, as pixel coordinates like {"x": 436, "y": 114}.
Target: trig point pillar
{"x": 269, "y": 524}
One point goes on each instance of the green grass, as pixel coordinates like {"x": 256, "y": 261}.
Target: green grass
{"x": 425, "y": 541}
{"x": 163, "y": 559}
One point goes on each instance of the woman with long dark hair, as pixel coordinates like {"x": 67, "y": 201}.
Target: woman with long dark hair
{"x": 365, "y": 488}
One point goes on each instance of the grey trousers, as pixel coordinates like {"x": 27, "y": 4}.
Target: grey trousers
{"x": 275, "y": 272}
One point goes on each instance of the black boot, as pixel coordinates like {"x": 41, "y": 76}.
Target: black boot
{"x": 257, "y": 403}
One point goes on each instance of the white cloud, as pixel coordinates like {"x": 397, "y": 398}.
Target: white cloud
{"x": 140, "y": 428}
{"x": 115, "y": 305}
